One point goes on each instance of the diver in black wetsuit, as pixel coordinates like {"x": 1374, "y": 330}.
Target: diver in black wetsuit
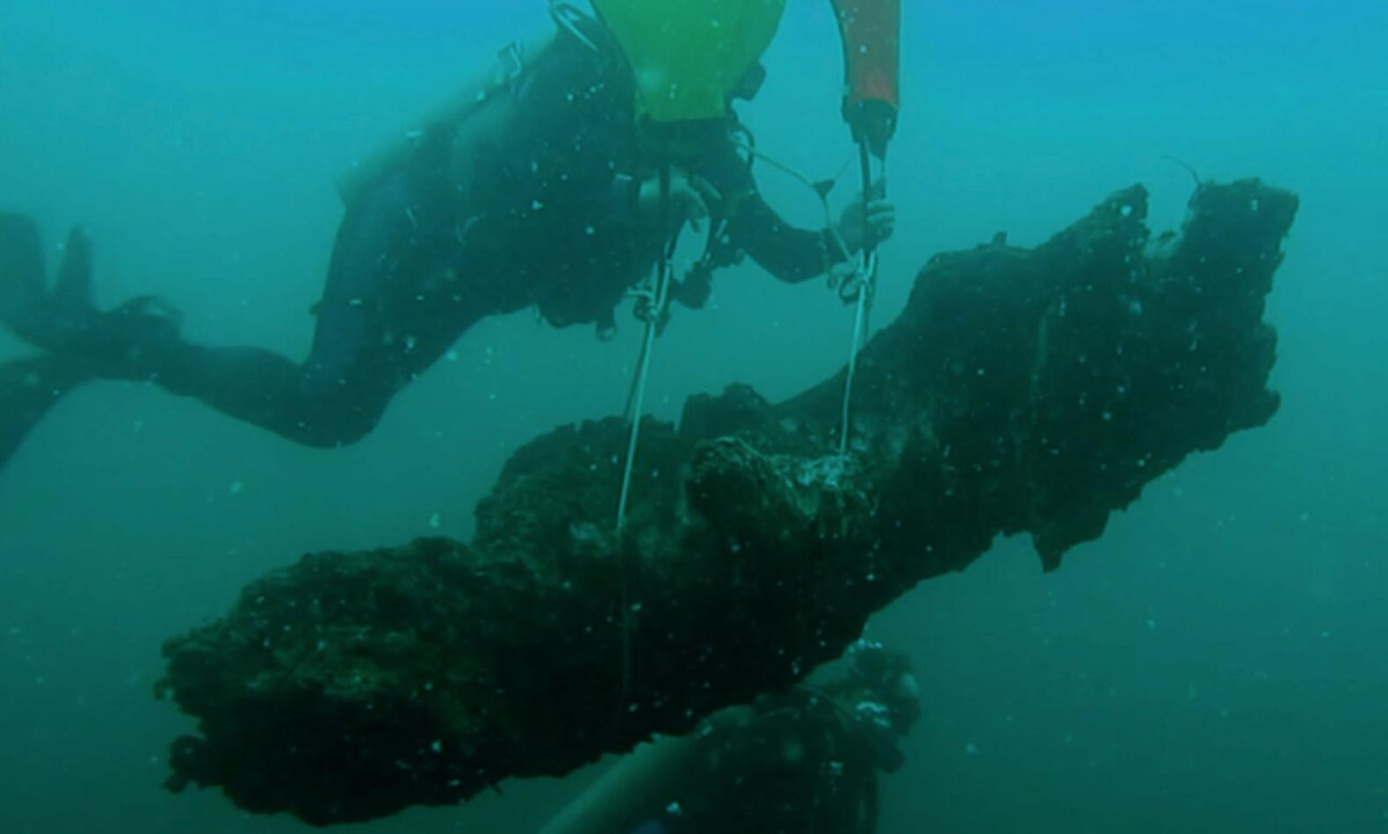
{"x": 540, "y": 197}
{"x": 805, "y": 761}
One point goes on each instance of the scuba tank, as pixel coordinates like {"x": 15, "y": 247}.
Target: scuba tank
{"x": 512, "y": 61}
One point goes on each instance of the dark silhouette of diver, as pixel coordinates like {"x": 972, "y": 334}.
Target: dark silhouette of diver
{"x": 540, "y": 197}
{"x": 803, "y": 761}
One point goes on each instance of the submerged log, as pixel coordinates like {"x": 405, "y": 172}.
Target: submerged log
{"x": 1020, "y": 391}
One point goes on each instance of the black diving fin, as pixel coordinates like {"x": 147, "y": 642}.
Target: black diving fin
{"x": 28, "y": 389}
{"x": 73, "y": 287}
{"x": 82, "y": 342}
{"x": 23, "y": 296}
{"x": 49, "y": 320}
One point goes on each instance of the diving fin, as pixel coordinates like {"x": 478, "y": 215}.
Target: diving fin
{"x": 28, "y": 389}
{"x": 22, "y": 292}
{"x": 74, "y": 284}
{"x": 65, "y": 320}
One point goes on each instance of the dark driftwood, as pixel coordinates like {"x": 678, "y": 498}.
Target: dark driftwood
{"x": 1020, "y": 390}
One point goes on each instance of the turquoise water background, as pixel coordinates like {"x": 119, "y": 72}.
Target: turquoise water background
{"x": 1217, "y": 662}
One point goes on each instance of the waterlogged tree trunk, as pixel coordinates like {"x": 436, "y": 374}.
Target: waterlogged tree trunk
{"x": 1020, "y": 391}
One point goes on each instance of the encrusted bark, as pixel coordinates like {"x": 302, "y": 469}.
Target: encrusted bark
{"x": 1019, "y": 391}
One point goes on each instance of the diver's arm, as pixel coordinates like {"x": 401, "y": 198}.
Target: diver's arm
{"x": 794, "y": 255}
{"x": 789, "y": 253}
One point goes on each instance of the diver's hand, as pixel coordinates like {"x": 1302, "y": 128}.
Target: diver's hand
{"x": 689, "y": 199}
{"x": 858, "y": 229}
{"x": 694, "y": 291}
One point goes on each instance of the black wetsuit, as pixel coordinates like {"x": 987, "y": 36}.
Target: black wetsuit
{"x": 531, "y": 202}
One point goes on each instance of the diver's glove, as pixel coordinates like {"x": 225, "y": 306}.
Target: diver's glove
{"x": 858, "y": 228}
{"x": 694, "y": 290}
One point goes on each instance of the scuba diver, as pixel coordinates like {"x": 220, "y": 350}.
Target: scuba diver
{"x": 804, "y": 761}
{"x": 544, "y": 194}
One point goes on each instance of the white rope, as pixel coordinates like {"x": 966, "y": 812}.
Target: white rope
{"x": 658, "y": 298}
{"x": 637, "y": 405}
{"x": 868, "y": 274}
{"x": 638, "y": 399}
{"x": 830, "y": 227}
{"x": 865, "y": 275}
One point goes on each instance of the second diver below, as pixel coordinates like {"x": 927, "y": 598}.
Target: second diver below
{"x": 538, "y": 198}
{"x": 804, "y": 761}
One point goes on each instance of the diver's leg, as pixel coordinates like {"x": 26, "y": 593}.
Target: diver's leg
{"x": 267, "y": 389}
{"x": 363, "y": 350}
{"x": 389, "y": 243}
{"x": 23, "y": 294}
